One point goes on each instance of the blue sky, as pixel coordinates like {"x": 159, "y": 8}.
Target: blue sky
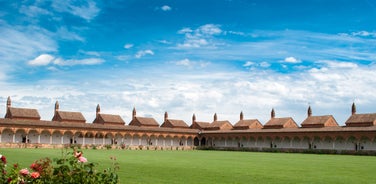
{"x": 185, "y": 57}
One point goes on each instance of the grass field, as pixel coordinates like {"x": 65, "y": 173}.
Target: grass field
{"x": 219, "y": 166}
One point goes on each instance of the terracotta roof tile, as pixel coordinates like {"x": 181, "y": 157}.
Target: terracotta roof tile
{"x": 178, "y": 123}
{"x": 143, "y": 121}
{"x": 247, "y": 123}
{"x": 69, "y": 116}
{"x": 280, "y": 123}
{"x": 362, "y": 118}
{"x": 110, "y": 118}
{"x": 22, "y": 113}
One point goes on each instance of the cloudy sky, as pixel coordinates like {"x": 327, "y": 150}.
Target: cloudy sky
{"x": 185, "y": 57}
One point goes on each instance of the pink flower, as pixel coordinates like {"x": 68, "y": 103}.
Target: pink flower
{"x": 77, "y": 154}
{"x": 82, "y": 159}
{"x": 24, "y": 172}
{"x": 35, "y": 175}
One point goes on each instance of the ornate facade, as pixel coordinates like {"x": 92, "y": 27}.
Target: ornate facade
{"x": 23, "y": 127}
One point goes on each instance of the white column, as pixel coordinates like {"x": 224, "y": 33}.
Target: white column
{"x": 51, "y": 139}
{"x": 94, "y": 140}
{"x": 225, "y": 142}
{"x": 186, "y": 142}
{"x": 0, "y": 138}
{"x": 156, "y": 141}
{"x": 83, "y": 140}
{"x": 14, "y": 137}
{"x": 132, "y": 140}
{"x": 139, "y": 141}
{"x": 38, "y": 138}
{"x": 62, "y": 139}
{"x": 103, "y": 140}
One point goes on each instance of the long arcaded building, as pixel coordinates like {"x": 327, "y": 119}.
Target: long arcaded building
{"x": 23, "y": 127}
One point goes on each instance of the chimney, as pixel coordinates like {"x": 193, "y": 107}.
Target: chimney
{"x": 272, "y": 114}
{"x": 353, "y": 109}
{"x": 98, "y": 110}
{"x": 165, "y": 116}
{"x": 241, "y": 115}
{"x": 134, "y": 113}
{"x": 9, "y": 102}
{"x": 309, "y": 111}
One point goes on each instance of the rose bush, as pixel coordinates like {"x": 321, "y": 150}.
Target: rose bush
{"x": 70, "y": 169}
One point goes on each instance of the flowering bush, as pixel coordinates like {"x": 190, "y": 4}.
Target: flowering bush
{"x": 71, "y": 169}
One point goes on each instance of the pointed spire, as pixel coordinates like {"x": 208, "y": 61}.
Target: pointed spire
{"x": 353, "y": 109}
{"x": 134, "y": 113}
{"x": 9, "y": 102}
{"x": 241, "y": 115}
{"x": 165, "y": 116}
{"x": 56, "y": 107}
{"x": 98, "y": 110}
{"x": 215, "y": 116}
{"x": 309, "y": 111}
{"x": 193, "y": 118}
{"x": 272, "y": 114}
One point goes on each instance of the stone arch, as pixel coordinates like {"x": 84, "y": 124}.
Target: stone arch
{"x": 56, "y": 137}
{"x": 33, "y": 136}
{"x": 296, "y": 142}
{"x": 118, "y": 138}
{"x": 365, "y": 143}
{"x": 108, "y": 138}
{"x": 340, "y": 143}
{"x": 203, "y": 141}
{"x": 68, "y": 137}
{"x": 20, "y": 136}
{"x": 286, "y": 142}
{"x": 7, "y": 135}
{"x": 128, "y": 139}
{"x": 196, "y": 141}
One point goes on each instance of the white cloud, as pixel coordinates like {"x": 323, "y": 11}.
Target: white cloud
{"x": 209, "y": 29}
{"x": 264, "y": 64}
{"x": 184, "y": 62}
{"x": 66, "y": 34}
{"x": 291, "y": 60}
{"x": 364, "y": 34}
{"x": 72, "y": 62}
{"x": 86, "y": 10}
{"x": 202, "y": 36}
{"x": 143, "y": 53}
{"x": 41, "y": 60}
{"x": 185, "y": 30}
{"x": 248, "y": 63}
{"x": 33, "y": 11}
{"x": 16, "y": 44}
{"x": 128, "y": 46}
{"x": 166, "y": 8}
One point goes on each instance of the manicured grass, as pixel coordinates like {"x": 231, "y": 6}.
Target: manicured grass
{"x": 219, "y": 166}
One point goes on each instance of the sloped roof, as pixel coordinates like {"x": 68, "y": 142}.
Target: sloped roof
{"x": 219, "y": 123}
{"x": 177, "y": 123}
{"x": 314, "y": 120}
{"x": 111, "y": 118}
{"x": 245, "y": 123}
{"x": 203, "y": 124}
{"x": 362, "y": 118}
{"x": 277, "y": 121}
{"x": 22, "y": 113}
{"x": 70, "y": 116}
{"x": 147, "y": 121}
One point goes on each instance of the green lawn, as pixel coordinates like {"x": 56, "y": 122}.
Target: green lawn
{"x": 219, "y": 166}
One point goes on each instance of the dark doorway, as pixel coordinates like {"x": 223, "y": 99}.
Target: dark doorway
{"x": 203, "y": 141}
{"x": 196, "y": 141}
